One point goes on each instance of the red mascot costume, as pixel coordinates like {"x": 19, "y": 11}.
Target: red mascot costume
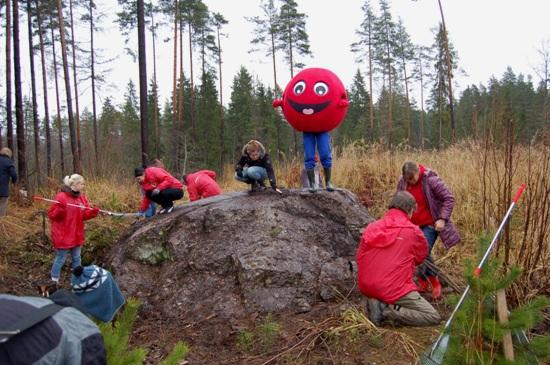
{"x": 315, "y": 102}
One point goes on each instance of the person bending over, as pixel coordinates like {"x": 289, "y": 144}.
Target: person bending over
{"x": 159, "y": 186}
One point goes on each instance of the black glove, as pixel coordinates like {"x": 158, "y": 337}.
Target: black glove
{"x": 240, "y": 173}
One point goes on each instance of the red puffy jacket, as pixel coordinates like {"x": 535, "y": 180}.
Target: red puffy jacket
{"x": 68, "y": 222}
{"x": 202, "y": 184}
{"x": 388, "y": 253}
{"x": 157, "y": 178}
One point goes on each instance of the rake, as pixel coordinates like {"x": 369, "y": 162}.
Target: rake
{"x": 435, "y": 355}
{"x": 109, "y": 213}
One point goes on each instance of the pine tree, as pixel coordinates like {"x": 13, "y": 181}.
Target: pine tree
{"x": 239, "y": 118}
{"x": 476, "y": 334}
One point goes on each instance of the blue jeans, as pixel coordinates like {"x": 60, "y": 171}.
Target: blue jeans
{"x": 322, "y": 141}
{"x": 151, "y": 211}
{"x": 431, "y": 236}
{"x": 59, "y": 260}
{"x": 251, "y": 174}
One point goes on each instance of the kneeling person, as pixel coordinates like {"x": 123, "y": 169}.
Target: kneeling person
{"x": 159, "y": 186}
{"x": 387, "y": 256}
{"x": 201, "y": 184}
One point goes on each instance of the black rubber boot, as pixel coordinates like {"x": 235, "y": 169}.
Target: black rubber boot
{"x": 328, "y": 175}
{"x": 311, "y": 180}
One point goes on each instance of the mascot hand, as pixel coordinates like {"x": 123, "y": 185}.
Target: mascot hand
{"x": 343, "y": 103}
{"x": 276, "y": 103}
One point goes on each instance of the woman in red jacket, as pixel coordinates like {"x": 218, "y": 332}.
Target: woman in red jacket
{"x": 159, "y": 186}
{"x": 201, "y": 184}
{"x": 68, "y": 223}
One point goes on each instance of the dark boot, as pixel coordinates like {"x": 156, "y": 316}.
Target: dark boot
{"x": 254, "y": 186}
{"x": 261, "y": 185}
{"x": 375, "y": 311}
{"x": 311, "y": 180}
{"x": 328, "y": 176}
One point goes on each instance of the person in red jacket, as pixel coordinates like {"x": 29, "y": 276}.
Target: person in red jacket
{"x": 201, "y": 184}
{"x": 435, "y": 204}
{"x": 159, "y": 186}
{"x": 68, "y": 223}
{"x": 387, "y": 256}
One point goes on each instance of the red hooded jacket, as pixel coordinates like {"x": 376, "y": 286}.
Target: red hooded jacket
{"x": 202, "y": 184}
{"x": 387, "y": 256}
{"x": 157, "y": 178}
{"x": 68, "y": 222}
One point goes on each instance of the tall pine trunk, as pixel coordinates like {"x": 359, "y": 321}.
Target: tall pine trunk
{"x": 45, "y": 94}
{"x": 449, "y": 73}
{"x": 9, "y": 116}
{"x": 222, "y": 142}
{"x": 175, "y": 118}
{"x": 36, "y": 128}
{"x": 192, "y": 82}
{"x": 421, "y": 100}
{"x": 295, "y": 135}
{"x": 155, "y": 107}
{"x": 142, "y": 83}
{"x": 75, "y": 82}
{"x": 408, "y": 110}
{"x": 371, "y": 104}
{"x": 74, "y": 143}
{"x": 94, "y": 105}
{"x": 58, "y": 103}
{"x": 19, "y": 115}
{"x": 390, "y": 95}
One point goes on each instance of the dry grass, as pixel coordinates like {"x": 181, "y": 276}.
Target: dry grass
{"x": 368, "y": 170}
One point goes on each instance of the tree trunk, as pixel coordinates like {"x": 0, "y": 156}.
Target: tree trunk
{"x": 295, "y": 135}
{"x": 74, "y": 143}
{"x": 59, "y": 126}
{"x": 409, "y": 127}
{"x": 192, "y": 84}
{"x": 36, "y": 128}
{"x": 421, "y": 100}
{"x": 371, "y": 111}
{"x": 75, "y": 82}
{"x": 9, "y": 116}
{"x": 449, "y": 73}
{"x": 142, "y": 83}
{"x": 175, "y": 118}
{"x": 45, "y": 94}
{"x": 390, "y": 95}
{"x": 94, "y": 106}
{"x": 275, "y": 86}
{"x": 19, "y": 115}
{"x": 222, "y": 142}
{"x": 155, "y": 108}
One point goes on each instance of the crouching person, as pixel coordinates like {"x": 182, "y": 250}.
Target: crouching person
{"x": 160, "y": 187}
{"x": 388, "y": 254}
{"x": 255, "y": 166}
{"x": 201, "y": 184}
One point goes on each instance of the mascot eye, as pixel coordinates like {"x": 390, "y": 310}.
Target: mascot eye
{"x": 299, "y": 87}
{"x": 320, "y": 88}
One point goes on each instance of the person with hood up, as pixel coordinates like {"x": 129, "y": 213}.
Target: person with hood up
{"x": 159, "y": 186}
{"x": 435, "y": 205}
{"x": 68, "y": 223}
{"x": 255, "y": 166}
{"x": 7, "y": 173}
{"x": 386, "y": 258}
{"x": 201, "y": 184}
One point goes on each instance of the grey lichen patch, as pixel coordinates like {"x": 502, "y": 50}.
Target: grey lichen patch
{"x": 153, "y": 253}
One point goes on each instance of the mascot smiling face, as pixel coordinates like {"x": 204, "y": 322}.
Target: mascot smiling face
{"x": 315, "y": 100}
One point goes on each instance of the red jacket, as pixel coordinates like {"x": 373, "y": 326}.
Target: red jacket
{"x": 68, "y": 222}
{"x": 388, "y": 253}
{"x": 421, "y": 216}
{"x": 202, "y": 184}
{"x": 157, "y": 178}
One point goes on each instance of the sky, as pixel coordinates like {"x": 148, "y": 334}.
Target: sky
{"x": 488, "y": 35}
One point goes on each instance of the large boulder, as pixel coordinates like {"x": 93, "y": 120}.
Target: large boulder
{"x": 240, "y": 253}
